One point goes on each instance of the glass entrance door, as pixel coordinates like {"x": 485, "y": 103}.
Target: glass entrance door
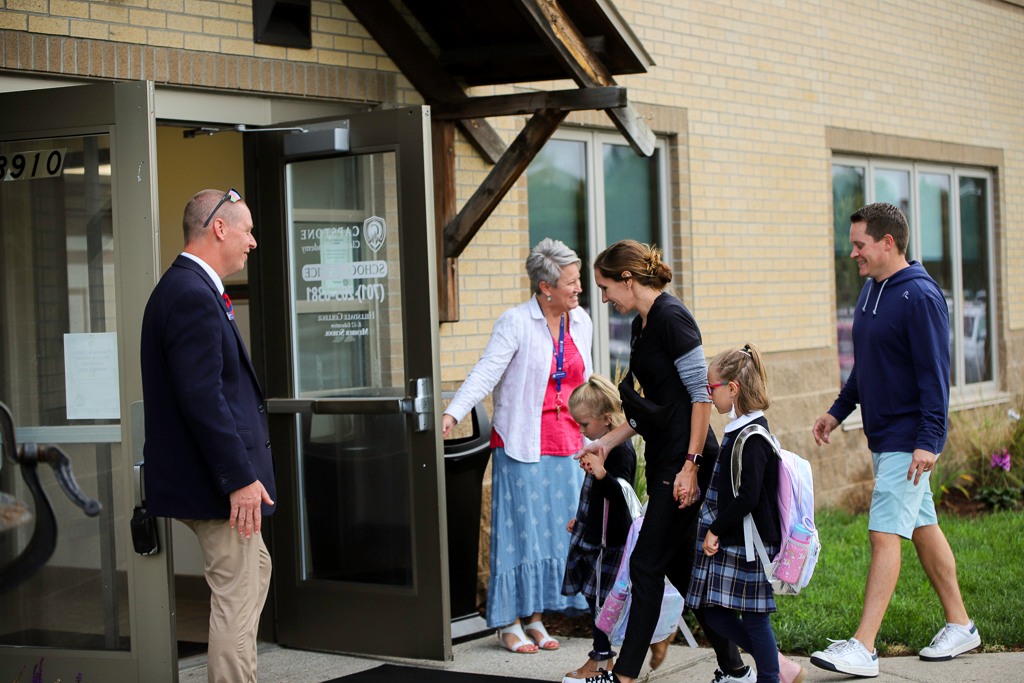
{"x": 351, "y": 353}
{"x": 353, "y": 482}
{"x": 76, "y": 236}
{"x": 58, "y": 308}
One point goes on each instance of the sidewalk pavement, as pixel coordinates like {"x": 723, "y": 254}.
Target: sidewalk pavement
{"x": 683, "y": 664}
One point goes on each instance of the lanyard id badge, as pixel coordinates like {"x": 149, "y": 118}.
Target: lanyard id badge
{"x": 559, "y": 374}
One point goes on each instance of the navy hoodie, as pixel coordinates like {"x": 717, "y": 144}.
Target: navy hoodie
{"x": 900, "y": 374}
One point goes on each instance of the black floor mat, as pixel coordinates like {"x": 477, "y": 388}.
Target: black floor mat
{"x": 391, "y": 673}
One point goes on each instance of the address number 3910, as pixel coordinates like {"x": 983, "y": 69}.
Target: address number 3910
{"x": 48, "y": 163}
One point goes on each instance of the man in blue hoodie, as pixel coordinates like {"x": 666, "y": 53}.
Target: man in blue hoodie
{"x": 900, "y": 378}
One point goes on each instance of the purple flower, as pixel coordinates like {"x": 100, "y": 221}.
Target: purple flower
{"x": 1001, "y": 459}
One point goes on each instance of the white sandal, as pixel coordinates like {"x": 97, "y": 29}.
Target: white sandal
{"x": 522, "y": 641}
{"x": 545, "y": 638}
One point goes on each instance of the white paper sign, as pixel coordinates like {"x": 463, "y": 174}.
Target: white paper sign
{"x": 90, "y": 376}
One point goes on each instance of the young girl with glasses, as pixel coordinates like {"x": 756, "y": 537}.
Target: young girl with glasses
{"x": 737, "y": 597}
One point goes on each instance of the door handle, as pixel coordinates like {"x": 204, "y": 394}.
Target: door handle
{"x": 369, "y": 405}
{"x": 419, "y": 405}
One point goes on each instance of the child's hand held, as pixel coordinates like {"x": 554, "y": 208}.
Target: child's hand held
{"x": 710, "y": 545}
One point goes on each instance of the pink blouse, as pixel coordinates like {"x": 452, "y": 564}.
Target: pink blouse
{"x": 559, "y": 433}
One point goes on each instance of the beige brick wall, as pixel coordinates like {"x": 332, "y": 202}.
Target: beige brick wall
{"x": 760, "y": 85}
{"x": 761, "y": 81}
{"x": 492, "y": 274}
{"x": 201, "y": 43}
{"x": 752, "y": 94}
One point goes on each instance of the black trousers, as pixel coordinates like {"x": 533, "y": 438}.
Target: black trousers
{"x": 664, "y": 548}
{"x": 602, "y": 645}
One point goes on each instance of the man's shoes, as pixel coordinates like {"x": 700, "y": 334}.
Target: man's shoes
{"x": 747, "y": 677}
{"x": 847, "y": 657}
{"x": 603, "y": 676}
{"x": 790, "y": 671}
{"x": 951, "y": 641}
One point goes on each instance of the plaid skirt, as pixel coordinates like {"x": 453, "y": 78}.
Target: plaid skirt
{"x": 726, "y": 579}
{"x": 581, "y": 566}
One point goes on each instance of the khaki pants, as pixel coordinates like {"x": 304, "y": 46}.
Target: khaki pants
{"x": 238, "y": 573}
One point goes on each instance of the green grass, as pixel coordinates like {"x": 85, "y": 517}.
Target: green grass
{"x": 989, "y": 550}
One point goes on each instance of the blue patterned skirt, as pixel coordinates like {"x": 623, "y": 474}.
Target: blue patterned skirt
{"x": 530, "y": 505}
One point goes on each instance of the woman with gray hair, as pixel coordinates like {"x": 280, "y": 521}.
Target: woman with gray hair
{"x": 539, "y": 351}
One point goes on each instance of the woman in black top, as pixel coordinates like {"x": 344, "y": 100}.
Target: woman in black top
{"x": 673, "y": 416}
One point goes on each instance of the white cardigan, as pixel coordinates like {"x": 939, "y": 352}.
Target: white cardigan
{"x": 516, "y": 365}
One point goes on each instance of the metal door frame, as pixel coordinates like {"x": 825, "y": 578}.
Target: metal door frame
{"x": 126, "y": 112}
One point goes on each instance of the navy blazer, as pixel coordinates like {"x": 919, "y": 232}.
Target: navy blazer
{"x": 206, "y": 422}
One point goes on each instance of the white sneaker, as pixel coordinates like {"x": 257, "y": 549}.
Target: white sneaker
{"x": 951, "y": 641}
{"x": 749, "y": 677}
{"x": 847, "y": 657}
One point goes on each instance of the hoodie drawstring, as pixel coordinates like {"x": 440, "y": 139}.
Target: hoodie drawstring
{"x": 880, "y": 290}
{"x": 874, "y": 310}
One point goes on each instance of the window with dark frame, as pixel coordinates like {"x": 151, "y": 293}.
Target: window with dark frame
{"x": 950, "y": 215}
{"x": 589, "y": 189}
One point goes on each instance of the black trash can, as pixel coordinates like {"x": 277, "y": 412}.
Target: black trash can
{"x": 465, "y": 460}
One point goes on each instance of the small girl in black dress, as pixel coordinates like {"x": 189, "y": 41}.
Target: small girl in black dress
{"x": 596, "y": 408}
{"x": 737, "y": 597}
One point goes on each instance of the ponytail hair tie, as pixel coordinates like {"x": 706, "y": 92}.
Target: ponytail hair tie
{"x": 746, "y": 350}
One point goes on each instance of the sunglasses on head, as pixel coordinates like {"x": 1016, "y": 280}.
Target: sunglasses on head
{"x": 229, "y": 196}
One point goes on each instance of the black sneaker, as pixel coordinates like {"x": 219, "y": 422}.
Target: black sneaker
{"x": 748, "y": 676}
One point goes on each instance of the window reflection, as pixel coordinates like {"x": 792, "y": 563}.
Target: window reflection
{"x": 974, "y": 250}
{"x": 346, "y": 309}
{"x": 57, "y": 263}
{"x": 847, "y": 196}
{"x": 949, "y": 223}
{"x": 630, "y": 193}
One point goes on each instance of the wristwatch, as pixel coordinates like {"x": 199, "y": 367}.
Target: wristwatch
{"x": 695, "y": 458}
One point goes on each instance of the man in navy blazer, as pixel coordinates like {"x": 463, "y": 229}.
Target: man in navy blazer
{"x": 207, "y": 450}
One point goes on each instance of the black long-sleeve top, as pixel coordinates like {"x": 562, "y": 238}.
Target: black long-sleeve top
{"x": 758, "y": 491}
{"x": 621, "y": 462}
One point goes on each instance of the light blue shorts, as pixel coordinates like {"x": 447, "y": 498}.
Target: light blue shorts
{"x": 897, "y": 506}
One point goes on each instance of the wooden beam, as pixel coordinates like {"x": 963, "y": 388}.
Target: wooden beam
{"x": 442, "y": 136}
{"x": 460, "y": 231}
{"x": 455, "y": 57}
{"x": 609, "y": 97}
{"x": 417, "y": 63}
{"x": 554, "y": 25}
